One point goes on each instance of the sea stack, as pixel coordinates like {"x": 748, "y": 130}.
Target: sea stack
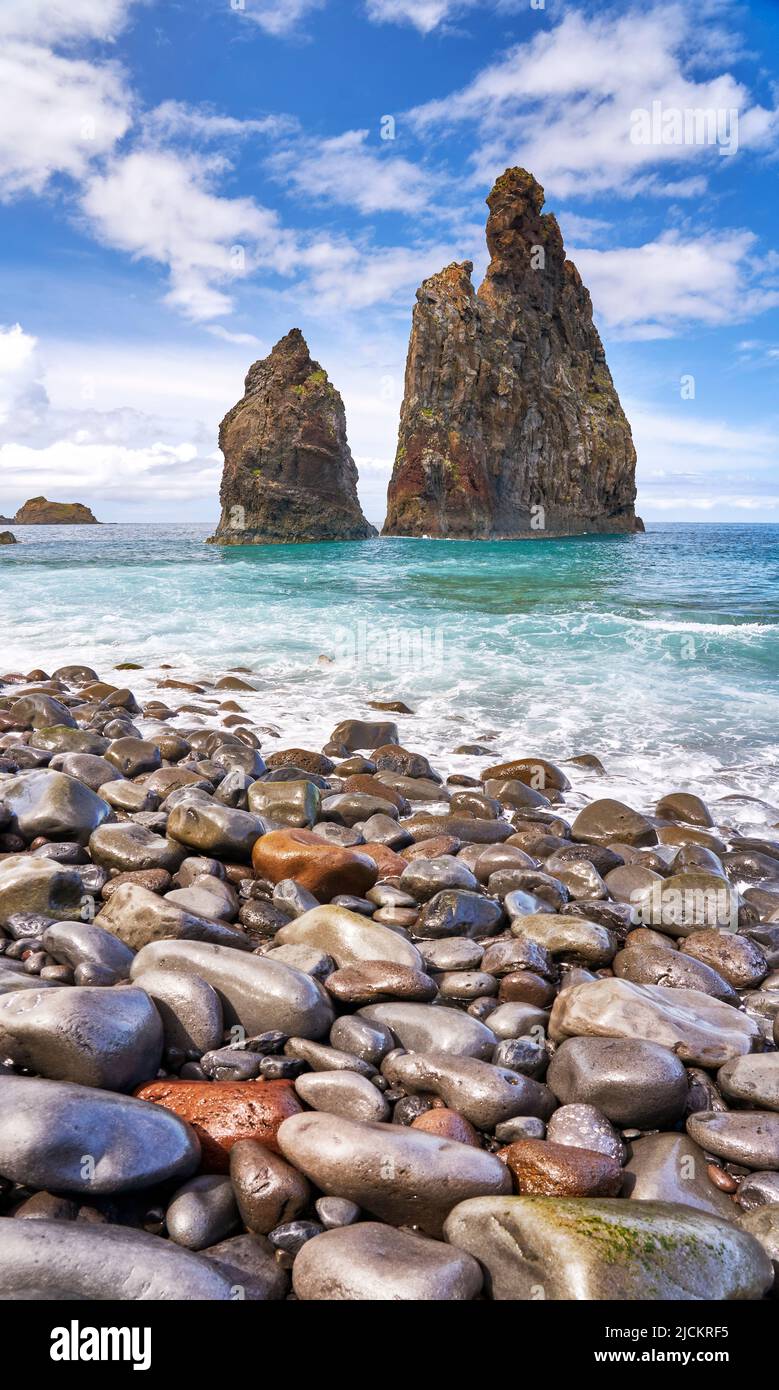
{"x": 510, "y": 424}
{"x": 288, "y": 474}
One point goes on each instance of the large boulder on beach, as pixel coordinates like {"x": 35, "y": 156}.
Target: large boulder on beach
{"x": 96, "y": 1037}
{"x": 631, "y": 1081}
{"x": 289, "y": 474}
{"x": 64, "y": 1137}
{"x": 65, "y": 1261}
{"x": 537, "y": 773}
{"x": 256, "y": 993}
{"x": 737, "y": 959}
{"x": 396, "y": 1173}
{"x": 137, "y": 916}
{"x": 746, "y": 1137}
{"x": 47, "y": 803}
{"x": 30, "y": 885}
{"x": 700, "y": 1029}
{"x": 190, "y": 1009}
{"x": 348, "y": 937}
{"x": 127, "y": 848}
{"x": 354, "y": 735}
{"x": 371, "y": 1261}
{"x": 752, "y": 1080}
{"x": 485, "y": 1094}
{"x": 84, "y": 943}
{"x": 204, "y": 825}
{"x": 37, "y": 710}
{"x": 607, "y": 1249}
{"x": 671, "y": 1168}
{"x": 607, "y": 821}
{"x": 322, "y": 868}
{"x": 420, "y": 1028}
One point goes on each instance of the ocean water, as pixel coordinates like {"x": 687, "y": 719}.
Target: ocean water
{"x": 657, "y": 652}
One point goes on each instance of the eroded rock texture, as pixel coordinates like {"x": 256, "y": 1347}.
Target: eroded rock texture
{"x": 289, "y": 474}
{"x": 510, "y": 423}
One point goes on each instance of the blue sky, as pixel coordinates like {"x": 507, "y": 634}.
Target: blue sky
{"x": 182, "y": 183}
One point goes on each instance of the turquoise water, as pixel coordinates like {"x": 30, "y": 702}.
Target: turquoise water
{"x": 659, "y": 652}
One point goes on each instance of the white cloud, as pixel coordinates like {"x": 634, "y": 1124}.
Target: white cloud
{"x": 78, "y": 453}
{"x": 226, "y": 336}
{"x": 158, "y": 205}
{"x": 691, "y": 463}
{"x": 562, "y": 103}
{"x": 725, "y": 502}
{"x": 658, "y": 431}
{"x": 651, "y": 291}
{"x": 22, "y": 395}
{"x": 56, "y": 21}
{"x": 133, "y": 432}
{"x": 583, "y": 231}
{"x": 427, "y": 15}
{"x": 76, "y": 471}
{"x": 58, "y": 115}
{"x": 382, "y": 466}
{"x": 345, "y": 169}
{"x": 344, "y": 276}
{"x": 176, "y": 119}
{"x": 279, "y": 18}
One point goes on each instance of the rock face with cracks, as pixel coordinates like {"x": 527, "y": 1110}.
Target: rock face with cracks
{"x": 289, "y": 474}
{"x": 510, "y": 424}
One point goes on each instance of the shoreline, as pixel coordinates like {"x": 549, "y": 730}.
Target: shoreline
{"x": 343, "y": 994}
{"x": 334, "y": 692}
{"x": 300, "y": 703}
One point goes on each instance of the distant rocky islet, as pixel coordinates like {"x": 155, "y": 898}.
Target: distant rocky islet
{"x": 39, "y": 511}
{"x": 324, "y": 1022}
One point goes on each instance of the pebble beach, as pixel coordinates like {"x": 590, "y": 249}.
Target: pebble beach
{"x": 340, "y": 1022}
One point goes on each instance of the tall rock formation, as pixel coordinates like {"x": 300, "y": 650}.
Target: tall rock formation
{"x": 510, "y": 424}
{"x": 288, "y": 474}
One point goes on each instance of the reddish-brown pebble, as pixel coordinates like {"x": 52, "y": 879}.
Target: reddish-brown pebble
{"x": 724, "y": 1181}
{"x": 545, "y": 1169}
{"x": 324, "y": 869}
{"x": 222, "y": 1112}
{"x": 447, "y": 1124}
{"x": 388, "y": 863}
{"x": 156, "y": 880}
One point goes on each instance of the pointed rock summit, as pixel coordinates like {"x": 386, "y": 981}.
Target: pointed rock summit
{"x": 288, "y": 474}
{"x": 510, "y": 424}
